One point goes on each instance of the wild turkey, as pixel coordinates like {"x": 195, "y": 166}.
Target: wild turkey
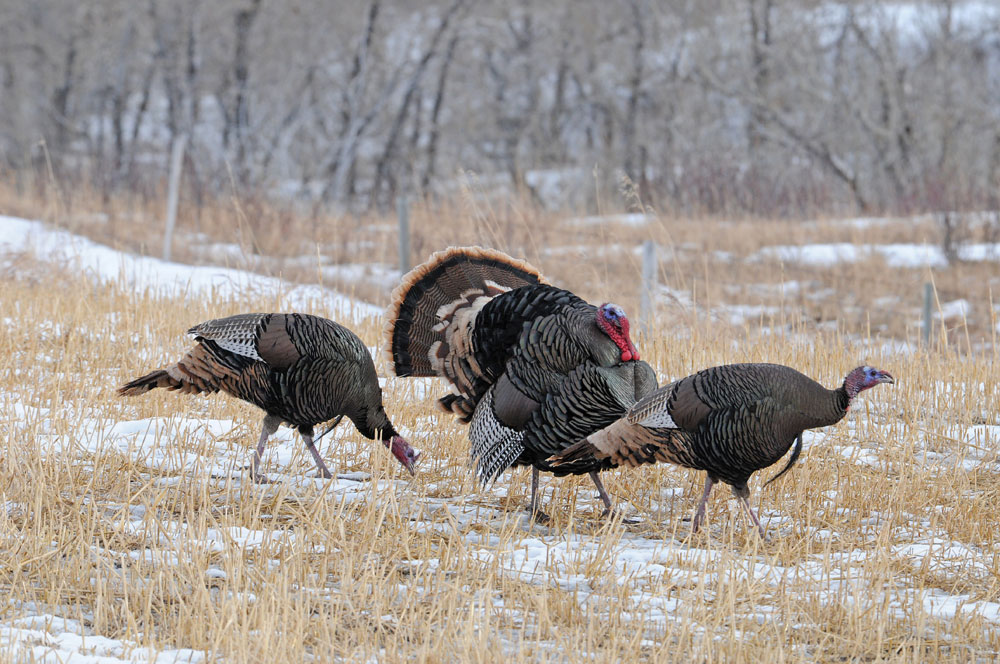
{"x": 532, "y": 367}
{"x": 730, "y": 420}
{"x": 299, "y": 369}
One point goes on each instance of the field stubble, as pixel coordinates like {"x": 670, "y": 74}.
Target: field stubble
{"x": 883, "y": 542}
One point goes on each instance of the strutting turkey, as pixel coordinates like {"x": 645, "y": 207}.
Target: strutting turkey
{"x": 730, "y": 420}
{"x": 533, "y": 368}
{"x": 299, "y": 369}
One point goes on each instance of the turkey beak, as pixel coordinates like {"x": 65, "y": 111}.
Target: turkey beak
{"x": 411, "y": 463}
{"x": 886, "y": 377}
{"x": 405, "y": 454}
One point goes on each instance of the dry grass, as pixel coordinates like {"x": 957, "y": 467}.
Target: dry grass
{"x": 167, "y": 545}
{"x": 702, "y": 262}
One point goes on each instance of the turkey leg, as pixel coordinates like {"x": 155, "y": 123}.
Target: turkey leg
{"x": 600, "y": 490}
{"x": 269, "y": 426}
{"x": 324, "y": 472}
{"x": 699, "y": 516}
{"x": 608, "y": 510}
{"x": 743, "y": 493}
{"x": 533, "y": 511}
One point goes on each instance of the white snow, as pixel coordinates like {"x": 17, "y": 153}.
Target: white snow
{"x": 954, "y": 309}
{"x": 738, "y": 314}
{"x": 106, "y": 265}
{"x": 636, "y": 220}
{"x": 595, "y": 569}
{"x": 50, "y": 638}
{"x": 894, "y": 255}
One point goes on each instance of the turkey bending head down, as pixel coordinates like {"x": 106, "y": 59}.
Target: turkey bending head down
{"x": 533, "y": 368}
{"x": 730, "y": 420}
{"x": 297, "y": 368}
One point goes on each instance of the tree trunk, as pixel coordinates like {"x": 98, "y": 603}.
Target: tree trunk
{"x": 435, "y": 127}
{"x": 240, "y": 117}
{"x": 635, "y": 90}
{"x": 760, "y": 45}
{"x": 60, "y": 98}
{"x": 341, "y": 170}
{"x": 381, "y": 169}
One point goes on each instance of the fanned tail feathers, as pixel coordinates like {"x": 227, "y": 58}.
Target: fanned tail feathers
{"x": 432, "y": 309}
{"x": 457, "y": 405}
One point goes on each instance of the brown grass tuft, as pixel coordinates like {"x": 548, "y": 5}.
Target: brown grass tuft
{"x": 883, "y": 541}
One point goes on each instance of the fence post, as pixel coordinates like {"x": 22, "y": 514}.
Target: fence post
{"x": 173, "y": 192}
{"x": 928, "y": 297}
{"x": 403, "y": 212}
{"x": 648, "y": 286}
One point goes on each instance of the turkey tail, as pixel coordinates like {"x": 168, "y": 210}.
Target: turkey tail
{"x": 151, "y": 381}
{"x": 575, "y": 452}
{"x": 432, "y": 298}
{"x": 631, "y": 445}
{"x": 200, "y": 370}
{"x": 791, "y": 460}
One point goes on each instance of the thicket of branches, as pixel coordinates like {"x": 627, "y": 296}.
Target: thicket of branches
{"x": 743, "y": 106}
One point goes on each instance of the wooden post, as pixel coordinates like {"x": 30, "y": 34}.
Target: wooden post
{"x": 173, "y": 192}
{"x": 928, "y": 298}
{"x": 648, "y": 286}
{"x": 403, "y": 212}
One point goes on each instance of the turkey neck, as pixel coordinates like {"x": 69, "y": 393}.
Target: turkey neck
{"x": 834, "y": 408}
{"x": 843, "y": 400}
{"x": 374, "y": 423}
{"x": 806, "y": 403}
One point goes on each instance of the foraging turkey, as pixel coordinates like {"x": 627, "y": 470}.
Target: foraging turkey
{"x": 729, "y": 420}
{"x": 299, "y": 369}
{"x": 533, "y": 368}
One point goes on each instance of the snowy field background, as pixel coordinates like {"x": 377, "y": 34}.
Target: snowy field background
{"x": 131, "y": 533}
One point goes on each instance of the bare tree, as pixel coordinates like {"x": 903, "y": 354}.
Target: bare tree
{"x": 755, "y": 106}
{"x": 409, "y": 91}
{"x": 639, "y": 18}
{"x": 434, "y": 129}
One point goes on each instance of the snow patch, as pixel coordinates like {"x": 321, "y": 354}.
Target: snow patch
{"x": 106, "y": 265}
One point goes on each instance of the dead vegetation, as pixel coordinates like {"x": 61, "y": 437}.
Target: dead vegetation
{"x": 883, "y": 540}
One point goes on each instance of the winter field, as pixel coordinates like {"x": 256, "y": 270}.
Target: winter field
{"x": 130, "y": 531}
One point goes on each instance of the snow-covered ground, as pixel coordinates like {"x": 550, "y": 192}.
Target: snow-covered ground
{"x": 637, "y": 563}
{"x": 163, "y": 278}
{"x": 43, "y": 637}
{"x": 894, "y": 255}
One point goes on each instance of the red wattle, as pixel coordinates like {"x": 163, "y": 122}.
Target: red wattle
{"x": 627, "y": 356}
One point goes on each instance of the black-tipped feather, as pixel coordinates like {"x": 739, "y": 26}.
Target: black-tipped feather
{"x": 796, "y": 450}
{"x": 298, "y": 368}
{"x": 529, "y": 367}
{"x": 729, "y": 420}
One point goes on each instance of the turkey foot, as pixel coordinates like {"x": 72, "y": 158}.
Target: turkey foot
{"x": 610, "y": 513}
{"x": 538, "y": 516}
{"x": 269, "y": 426}
{"x": 260, "y": 478}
